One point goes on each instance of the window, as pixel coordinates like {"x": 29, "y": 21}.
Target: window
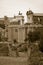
{"x": 16, "y": 30}
{"x": 18, "y": 21}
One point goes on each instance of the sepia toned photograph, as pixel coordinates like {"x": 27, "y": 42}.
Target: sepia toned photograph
{"x": 21, "y": 32}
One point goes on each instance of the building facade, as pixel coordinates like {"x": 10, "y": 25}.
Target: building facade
{"x": 16, "y": 29}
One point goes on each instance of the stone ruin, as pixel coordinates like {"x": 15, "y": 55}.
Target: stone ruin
{"x": 36, "y": 56}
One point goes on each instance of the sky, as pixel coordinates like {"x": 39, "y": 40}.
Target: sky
{"x": 12, "y": 7}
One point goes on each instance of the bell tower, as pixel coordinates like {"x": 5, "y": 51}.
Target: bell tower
{"x": 29, "y": 16}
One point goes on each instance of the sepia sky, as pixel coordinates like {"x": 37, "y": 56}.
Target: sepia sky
{"x": 12, "y": 7}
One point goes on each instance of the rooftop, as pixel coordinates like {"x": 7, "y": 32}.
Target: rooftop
{"x": 38, "y": 14}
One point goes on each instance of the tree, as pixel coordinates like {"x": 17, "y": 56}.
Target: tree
{"x": 15, "y": 46}
{"x": 34, "y": 49}
{"x": 2, "y": 26}
{"x": 34, "y": 36}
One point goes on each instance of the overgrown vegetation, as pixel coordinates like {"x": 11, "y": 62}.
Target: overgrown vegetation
{"x": 35, "y": 36}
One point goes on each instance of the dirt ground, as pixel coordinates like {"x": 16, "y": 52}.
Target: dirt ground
{"x": 13, "y": 60}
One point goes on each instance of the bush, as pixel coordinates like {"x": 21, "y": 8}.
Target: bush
{"x": 33, "y": 36}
